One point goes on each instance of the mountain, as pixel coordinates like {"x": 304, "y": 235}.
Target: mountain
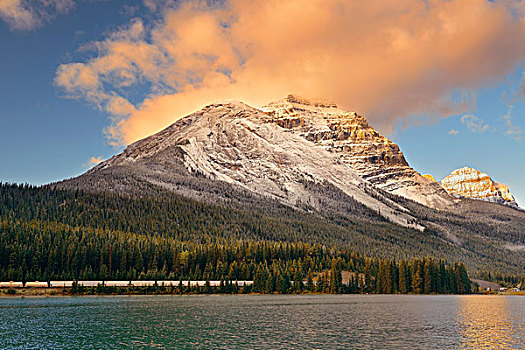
{"x": 324, "y": 165}
{"x": 471, "y": 183}
{"x": 299, "y": 152}
{"x": 249, "y": 150}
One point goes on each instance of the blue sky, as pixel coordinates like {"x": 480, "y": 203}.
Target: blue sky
{"x": 45, "y": 137}
{"x": 431, "y": 149}
{"x": 51, "y": 128}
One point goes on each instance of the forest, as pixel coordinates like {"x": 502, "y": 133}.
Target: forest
{"x": 48, "y": 234}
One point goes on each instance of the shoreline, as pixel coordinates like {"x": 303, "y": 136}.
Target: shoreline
{"x": 66, "y": 292}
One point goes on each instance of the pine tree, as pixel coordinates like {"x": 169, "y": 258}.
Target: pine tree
{"x": 298, "y": 281}
{"x": 417, "y": 280}
{"x": 309, "y": 281}
{"x": 335, "y": 277}
{"x": 368, "y": 277}
{"x": 207, "y": 287}
{"x": 427, "y": 280}
{"x": 259, "y": 281}
{"x": 403, "y": 274}
{"x": 280, "y": 284}
{"x": 463, "y": 279}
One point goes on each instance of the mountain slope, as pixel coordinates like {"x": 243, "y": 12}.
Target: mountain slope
{"x": 171, "y": 217}
{"x": 471, "y": 183}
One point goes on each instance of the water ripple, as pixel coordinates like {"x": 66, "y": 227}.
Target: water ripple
{"x": 264, "y": 322}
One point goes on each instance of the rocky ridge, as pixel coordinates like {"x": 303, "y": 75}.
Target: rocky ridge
{"x": 471, "y": 183}
{"x": 302, "y": 153}
{"x": 430, "y": 177}
{"x": 354, "y": 142}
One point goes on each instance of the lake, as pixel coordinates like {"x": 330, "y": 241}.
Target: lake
{"x": 263, "y": 322}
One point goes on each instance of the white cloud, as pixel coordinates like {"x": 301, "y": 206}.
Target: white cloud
{"x": 25, "y": 15}
{"x": 473, "y": 123}
{"x": 512, "y": 130}
{"x": 453, "y": 132}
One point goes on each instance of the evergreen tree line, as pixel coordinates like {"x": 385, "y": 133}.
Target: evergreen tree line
{"x": 507, "y": 280}
{"x": 46, "y": 251}
{"x": 186, "y": 220}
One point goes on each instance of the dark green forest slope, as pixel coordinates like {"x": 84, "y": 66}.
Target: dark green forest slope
{"x": 48, "y": 234}
{"x": 51, "y": 234}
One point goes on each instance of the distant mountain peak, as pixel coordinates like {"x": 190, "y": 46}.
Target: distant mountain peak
{"x": 471, "y": 183}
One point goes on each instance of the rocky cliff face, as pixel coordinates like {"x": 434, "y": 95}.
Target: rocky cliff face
{"x": 471, "y": 183}
{"x": 354, "y": 142}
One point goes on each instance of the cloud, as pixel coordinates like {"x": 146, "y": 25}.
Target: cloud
{"x": 389, "y": 60}
{"x": 93, "y": 161}
{"x": 453, "y": 132}
{"x": 512, "y": 130}
{"x": 159, "y": 5}
{"x": 128, "y": 11}
{"x": 17, "y": 16}
{"x": 473, "y": 123}
{"x": 81, "y": 81}
{"x": 25, "y": 15}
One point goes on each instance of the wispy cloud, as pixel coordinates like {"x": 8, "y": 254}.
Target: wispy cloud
{"x": 25, "y": 15}
{"x": 512, "y": 130}
{"x": 388, "y": 60}
{"x": 128, "y": 11}
{"x": 93, "y": 161}
{"x": 453, "y": 132}
{"x": 473, "y": 123}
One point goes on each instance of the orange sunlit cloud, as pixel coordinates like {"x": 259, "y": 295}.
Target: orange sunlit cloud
{"x": 388, "y": 60}
{"x": 27, "y": 15}
{"x": 93, "y": 161}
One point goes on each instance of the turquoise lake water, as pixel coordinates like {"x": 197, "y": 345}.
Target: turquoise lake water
{"x": 263, "y": 322}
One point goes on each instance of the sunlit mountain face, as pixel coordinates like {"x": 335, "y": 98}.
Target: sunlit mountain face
{"x": 471, "y": 183}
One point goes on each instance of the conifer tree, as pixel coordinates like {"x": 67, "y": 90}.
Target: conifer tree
{"x": 427, "y": 279}
{"x": 417, "y": 280}
{"x": 309, "y": 281}
{"x": 403, "y": 280}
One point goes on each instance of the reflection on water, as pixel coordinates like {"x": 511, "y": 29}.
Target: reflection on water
{"x": 491, "y": 322}
{"x": 264, "y": 322}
